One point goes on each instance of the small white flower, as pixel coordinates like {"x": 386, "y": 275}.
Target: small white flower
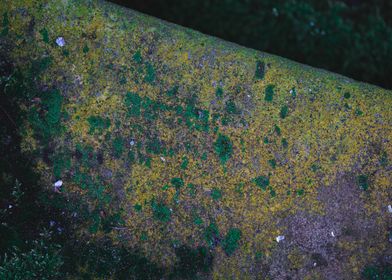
{"x": 279, "y": 238}
{"x": 132, "y": 142}
{"x": 390, "y": 208}
{"x": 332, "y": 234}
{"x": 163, "y": 159}
{"x": 58, "y": 184}
{"x": 60, "y": 42}
{"x": 9, "y": 206}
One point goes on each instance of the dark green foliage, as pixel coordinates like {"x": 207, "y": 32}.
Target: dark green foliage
{"x": 224, "y": 148}
{"x": 372, "y": 272}
{"x": 260, "y": 70}
{"x": 211, "y": 235}
{"x": 336, "y": 35}
{"x": 42, "y": 261}
{"x": 347, "y": 95}
{"x": 284, "y": 111}
{"x": 262, "y": 182}
{"x": 216, "y": 193}
{"x": 363, "y": 182}
{"x": 269, "y": 93}
{"x": 133, "y": 103}
{"x": 153, "y": 146}
{"x": 191, "y": 261}
{"x": 105, "y": 260}
{"x": 5, "y": 23}
{"x": 161, "y": 212}
{"x": 98, "y": 124}
{"x": 230, "y": 243}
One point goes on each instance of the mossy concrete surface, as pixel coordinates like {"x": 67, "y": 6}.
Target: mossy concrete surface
{"x": 173, "y": 138}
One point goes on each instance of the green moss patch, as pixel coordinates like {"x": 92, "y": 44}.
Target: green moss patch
{"x": 269, "y": 93}
{"x": 262, "y": 182}
{"x": 224, "y": 148}
{"x": 230, "y": 243}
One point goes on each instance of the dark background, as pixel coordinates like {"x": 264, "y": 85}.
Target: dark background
{"x": 351, "y": 37}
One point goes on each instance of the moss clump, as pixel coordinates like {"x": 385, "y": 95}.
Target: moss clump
{"x": 86, "y": 49}
{"x": 177, "y": 182}
{"x": 224, "y": 148}
{"x": 150, "y": 74}
{"x": 46, "y": 121}
{"x": 211, "y": 235}
{"x": 137, "y": 57}
{"x": 118, "y": 147}
{"x": 216, "y": 193}
{"x": 133, "y": 102}
{"x": 219, "y": 92}
{"x": 269, "y": 93}
{"x": 277, "y": 130}
{"x": 97, "y": 124}
{"x": 161, "y": 212}
{"x": 285, "y": 144}
{"x": 45, "y": 35}
{"x": 230, "y": 243}
{"x": 5, "y": 29}
{"x": 363, "y": 182}
{"x": 260, "y": 70}
{"x": 137, "y": 207}
{"x": 284, "y": 111}
{"x": 184, "y": 163}
{"x": 231, "y": 108}
{"x": 272, "y": 163}
{"x": 262, "y": 182}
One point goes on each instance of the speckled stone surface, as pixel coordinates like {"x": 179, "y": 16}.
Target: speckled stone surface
{"x": 164, "y": 137}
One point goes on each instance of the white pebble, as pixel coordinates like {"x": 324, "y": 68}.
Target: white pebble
{"x": 60, "y": 41}
{"x": 132, "y": 142}
{"x": 389, "y": 208}
{"x": 9, "y": 206}
{"x": 279, "y": 238}
{"x": 163, "y": 159}
{"x": 58, "y": 184}
{"x": 332, "y": 234}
